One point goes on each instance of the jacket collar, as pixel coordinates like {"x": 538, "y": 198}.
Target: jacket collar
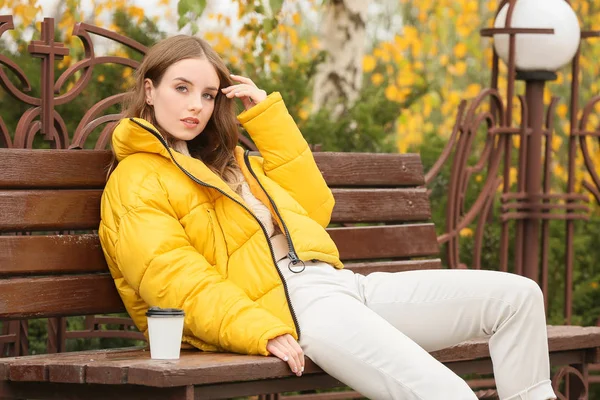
{"x": 136, "y": 135}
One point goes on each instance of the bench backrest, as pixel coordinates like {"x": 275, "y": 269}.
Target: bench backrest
{"x": 57, "y": 268}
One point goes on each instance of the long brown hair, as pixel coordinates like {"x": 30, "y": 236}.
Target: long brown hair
{"x": 215, "y": 145}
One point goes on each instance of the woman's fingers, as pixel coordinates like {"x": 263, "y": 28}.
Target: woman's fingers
{"x": 281, "y": 348}
{"x": 278, "y": 351}
{"x": 229, "y": 91}
{"x": 246, "y": 90}
{"x": 297, "y": 350}
{"x": 242, "y": 79}
{"x": 292, "y": 357}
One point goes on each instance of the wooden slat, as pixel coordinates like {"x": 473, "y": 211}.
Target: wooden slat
{"x": 60, "y": 254}
{"x": 35, "y": 367}
{"x": 380, "y": 205}
{"x": 51, "y": 254}
{"x": 58, "y": 296}
{"x": 194, "y": 367}
{"x": 560, "y": 338}
{"x": 30, "y": 210}
{"x": 396, "y": 241}
{"x": 23, "y": 168}
{"x": 370, "y": 169}
{"x": 79, "y": 209}
{"x": 365, "y": 268}
{"x": 226, "y": 367}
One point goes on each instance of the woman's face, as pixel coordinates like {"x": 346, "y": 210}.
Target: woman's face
{"x": 185, "y": 98}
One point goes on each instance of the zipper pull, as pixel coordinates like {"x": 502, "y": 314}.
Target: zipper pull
{"x": 294, "y": 261}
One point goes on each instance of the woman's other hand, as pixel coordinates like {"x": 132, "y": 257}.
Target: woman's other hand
{"x": 246, "y": 91}
{"x": 287, "y": 348}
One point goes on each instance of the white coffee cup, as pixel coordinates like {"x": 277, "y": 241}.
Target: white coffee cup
{"x": 165, "y": 329}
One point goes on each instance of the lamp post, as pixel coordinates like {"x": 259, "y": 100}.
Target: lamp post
{"x": 534, "y": 38}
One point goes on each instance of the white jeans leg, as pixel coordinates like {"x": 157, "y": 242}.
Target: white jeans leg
{"x": 360, "y": 348}
{"x": 440, "y": 308}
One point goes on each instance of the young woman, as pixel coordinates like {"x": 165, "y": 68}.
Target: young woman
{"x": 189, "y": 220}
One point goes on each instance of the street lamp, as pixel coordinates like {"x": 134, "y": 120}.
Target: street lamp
{"x": 534, "y": 38}
{"x": 539, "y": 52}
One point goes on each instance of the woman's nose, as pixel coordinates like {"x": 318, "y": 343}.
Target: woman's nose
{"x": 196, "y": 104}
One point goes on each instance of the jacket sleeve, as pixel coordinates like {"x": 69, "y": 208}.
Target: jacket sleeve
{"x": 157, "y": 259}
{"x": 287, "y": 157}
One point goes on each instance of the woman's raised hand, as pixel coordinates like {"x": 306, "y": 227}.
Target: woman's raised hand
{"x": 246, "y": 91}
{"x": 286, "y": 348}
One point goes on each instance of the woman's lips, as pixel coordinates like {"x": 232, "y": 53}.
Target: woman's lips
{"x": 190, "y": 122}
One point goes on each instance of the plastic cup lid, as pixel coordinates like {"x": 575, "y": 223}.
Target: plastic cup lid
{"x": 164, "y": 312}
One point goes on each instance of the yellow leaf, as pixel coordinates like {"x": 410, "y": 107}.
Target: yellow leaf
{"x": 416, "y": 48}
{"x": 402, "y": 95}
{"x": 293, "y": 36}
{"x": 547, "y": 96}
{"x": 466, "y": 232}
{"x": 303, "y": 114}
{"x": 516, "y": 142}
{"x": 410, "y": 32}
{"x": 136, "y": 12}
{"x": 562, "y": 110}
{"x": 444, "y": 60}
{"x": 556, "y": 142}
{"x": 454, "y": 98}
{"x": 391, "y": 92}
{"x": 512, "y": 176}
{"x": 460, "y": 50}
{"x": 100, "y": 78}
{"x": 459, "y": 69}
{"x": 233, "y": 60}
{"x": 296, "y": 18}
{"x": 369, "y": 63}
{"x": 304, "y": 49}
{"x": 464, "y": 30}
{"x": 65, "y": 62}
{"x": 471, "y": 6}
{"x": 473, "y": 90}
{"x": 377, "y": 78}
{"x": 405, "y": 78}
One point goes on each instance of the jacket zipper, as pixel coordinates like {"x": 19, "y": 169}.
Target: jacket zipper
{"x": 292, "y": 251}
{"x": 201, "y": 183}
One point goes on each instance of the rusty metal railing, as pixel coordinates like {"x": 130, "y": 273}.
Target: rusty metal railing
{"x": 490, "y": 120}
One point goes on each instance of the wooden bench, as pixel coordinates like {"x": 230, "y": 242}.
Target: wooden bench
{"x": 380, "y": 223}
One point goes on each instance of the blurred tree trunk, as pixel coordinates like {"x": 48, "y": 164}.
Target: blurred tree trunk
{"x": 339, "y": 78}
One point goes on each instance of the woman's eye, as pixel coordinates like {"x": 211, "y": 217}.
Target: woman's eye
{"x": 181, "y": 89}
{"x": 209, "y": 96}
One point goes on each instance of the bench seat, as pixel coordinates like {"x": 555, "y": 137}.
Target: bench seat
{"x": 224, "y": 375}
{"x": 381, "y": 222}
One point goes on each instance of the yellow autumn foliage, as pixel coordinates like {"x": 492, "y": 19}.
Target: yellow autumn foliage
{"x": 438, "y": 51}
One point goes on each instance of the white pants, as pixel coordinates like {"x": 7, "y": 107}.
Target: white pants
{"x": 374, "y": 332}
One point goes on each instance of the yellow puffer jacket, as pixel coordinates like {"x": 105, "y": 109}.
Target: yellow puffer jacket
{"x": 175, "y": 235}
